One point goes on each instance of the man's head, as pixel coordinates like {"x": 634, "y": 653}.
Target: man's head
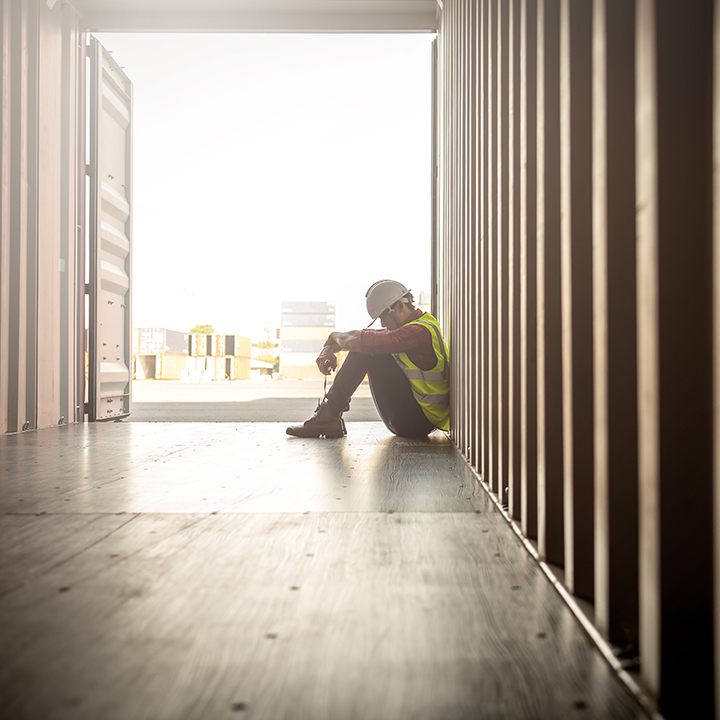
{"x": 398, "y": 314}
{"x": 390, "y": 301}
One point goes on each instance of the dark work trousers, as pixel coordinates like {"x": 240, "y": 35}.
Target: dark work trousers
{"x": 390, "y": 390}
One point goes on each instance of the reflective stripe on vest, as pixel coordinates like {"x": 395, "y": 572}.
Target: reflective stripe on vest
{"x": 430, "y": 387}
{"x": 431, "y": 399}
{"x": 426, "y": 376}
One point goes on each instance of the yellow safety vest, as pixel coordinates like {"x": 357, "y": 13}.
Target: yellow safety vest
{"x": 431, "y": 388}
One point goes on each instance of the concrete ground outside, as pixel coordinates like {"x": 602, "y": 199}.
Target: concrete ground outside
{"x": 291, "y": 401}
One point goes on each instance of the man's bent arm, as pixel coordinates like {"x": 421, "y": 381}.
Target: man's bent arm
{"x": 349, "y": 340}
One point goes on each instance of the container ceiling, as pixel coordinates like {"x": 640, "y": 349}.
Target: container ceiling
{"x": 259, "y": 15}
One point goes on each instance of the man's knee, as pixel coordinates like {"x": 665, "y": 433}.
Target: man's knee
{"x": 356, "y": 359}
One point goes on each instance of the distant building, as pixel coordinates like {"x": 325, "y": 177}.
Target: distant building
{"x": 161, "y": 354}
{"x": 304, "y": 327}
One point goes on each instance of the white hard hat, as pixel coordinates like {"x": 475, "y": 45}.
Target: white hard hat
{"x": 382, "y": 295}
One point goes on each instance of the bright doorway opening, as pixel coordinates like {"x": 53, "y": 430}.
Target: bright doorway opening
{"x": 274, "y": 168}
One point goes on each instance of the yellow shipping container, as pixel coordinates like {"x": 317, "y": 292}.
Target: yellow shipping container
{"x": 160, "y": 367}
{"x": 221, "y": 345}
{"x": 243, "y": 347}
{"x": 242, "y": 368}
{"x": 231, "y": 368}
{"x": 170, "y": 367}
{"x": 201, "y": 344}
{"x": 219, "y": 365}
{"x": 218, "y": 345}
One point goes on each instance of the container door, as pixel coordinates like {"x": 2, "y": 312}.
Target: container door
{"x": 110, "y": 238}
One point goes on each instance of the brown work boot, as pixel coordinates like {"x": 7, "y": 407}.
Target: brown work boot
{"x": 324, "y": 423}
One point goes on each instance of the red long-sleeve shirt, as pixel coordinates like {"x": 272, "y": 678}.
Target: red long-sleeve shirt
{"x": 415, "y": 340}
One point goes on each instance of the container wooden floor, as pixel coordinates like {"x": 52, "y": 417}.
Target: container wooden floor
{"x": 191, "y": 571}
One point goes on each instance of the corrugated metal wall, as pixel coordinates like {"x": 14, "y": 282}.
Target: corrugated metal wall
{"x": 42, "y": 166}
{"x": 575, "y": 272}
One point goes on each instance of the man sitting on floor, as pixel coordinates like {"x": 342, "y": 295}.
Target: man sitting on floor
{"x": 406, "y": 364}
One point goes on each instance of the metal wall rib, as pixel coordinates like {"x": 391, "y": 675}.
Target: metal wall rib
{"x": 41, "y": 162}
{"x": 577, "y": 282}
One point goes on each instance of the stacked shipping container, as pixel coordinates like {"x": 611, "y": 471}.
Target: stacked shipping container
{"x": 220, "y": 357}
{"x": 162, "y": 354}
{"x": 304, "y": 329}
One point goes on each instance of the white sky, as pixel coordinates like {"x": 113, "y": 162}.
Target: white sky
{"x": 273, "y": 168}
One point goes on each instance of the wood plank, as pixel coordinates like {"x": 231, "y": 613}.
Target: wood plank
{"x": 674, "y": 82}
{"x": 576, "y": 64}
{"x": 320, "y": 615}
{"x": 615, "y": 325}
{"x": 31, "y": 548}
{"x": 124, "y": 467}
{"x": 528, "y": 255}
{"x": 549, "y": 300}
{"x": 184, "y": 571}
